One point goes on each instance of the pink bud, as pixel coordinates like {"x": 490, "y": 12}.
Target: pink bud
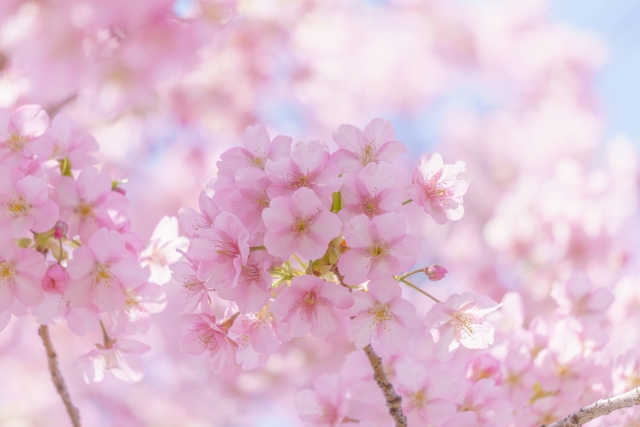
{"x": 60, "y": 230}
{"x": 55, "y": 281}
{"x": 484, "y": 366}
{"x": 435, "y": 272}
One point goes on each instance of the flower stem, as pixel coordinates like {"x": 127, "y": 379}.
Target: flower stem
{"x": 394, "y": 402}
{"x": 420, "y": 270}
{"x": 56, "y": 377}
{"x": 419, "y": 290}
{"x": 406, "y": 202}
{"x": 257, "y": 248}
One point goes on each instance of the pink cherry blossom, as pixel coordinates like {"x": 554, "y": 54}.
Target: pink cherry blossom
{"x": 56, "y": 307}
{"x": 371, "y": 192}
{"x": 21, "y": 273}
{"x": 254, "y": 284}
{"x": 483, "y": 403}
{"x": 21, "y": 135}
{"x": 309, "y": 305}
{"x": 359, "y": 148}
{"x": 55, "y": 281}
{"x": 193, "y": 292}
{"x": 429, "y": 395}
{"x": 257, "y": 151}
{"x": 24, "y": 205}
{"x": 139, "y": 303}
{"x": 192, "y": 221}
{"x": 309, "y": 166}
{"x": 459, "y": 320}
{"x": 383, "y": 315}
{"x": 205, "y": 336}
{"x": 88, "y": 204}
{"x": 578, "y": 298}
{"x": 222, "y": 251}
{"x": 255, "y": 338}
{"x": 249, "y": 198}
{"x": 484, "y": 366}
{"x": 435, "y": 272}
{"x": 69, "y": 142}
{"x": 438, "y": 189}
{"x": 380, "y": 247}
{"x": 162, "y": 249}
{"x": 324, "y": 406}
{"x": 101, "y": 272}
{"x": 299, "y": 225}
{"x": 121, "y": 358}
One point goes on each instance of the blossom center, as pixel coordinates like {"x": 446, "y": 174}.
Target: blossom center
{"x": 370, "y": 206}
{"x": 368, "y": 153}
{"x": 378, "y": 250}
{"x": 19, "y": 207}
{"x": 16, "y": 141}
{"x": 301, "y": 226}
{"x": 299, "y": 181}
{"x": 101, "y": 274}
{"x": 381, "y": 314}
{"x": 463, "y": 323}
{"x": 419, "y": 398}
{"x": 258, "y": 161}
{"x": 7, "y": 271}
{"x": 227, "y": 247}
{"x": 84, "y": 210}
{"x": 250, "y": 273}
{"x": 263, "y": 201}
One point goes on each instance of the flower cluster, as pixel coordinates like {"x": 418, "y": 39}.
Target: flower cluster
{"x": 297, "y": 240}
{"x": 66, "y": 249}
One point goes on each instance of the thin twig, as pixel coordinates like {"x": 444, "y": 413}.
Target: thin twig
{"x": 56, "y": 377}
{"x": 394, "y": 402}
{"x": 406, "y": 282}
{"x": 598, "y": 409}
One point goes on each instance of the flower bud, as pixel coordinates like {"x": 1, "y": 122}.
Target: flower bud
{"x": 60, "y": 230}
{"x": 435, "y": 272}
{"x": 55, "y": 280}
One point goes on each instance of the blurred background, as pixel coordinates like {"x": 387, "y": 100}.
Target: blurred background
{"x": 541, "y": 100}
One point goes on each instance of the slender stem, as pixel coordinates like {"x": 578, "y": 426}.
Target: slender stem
{"x": 420, "y": 270}
{"x": 257, "y": 248}
{"x": 107, "y": 339}
{"x": 406, "y": 202}
{"x": 228, "y": 322}
{"x": 302, "y": 264}
{"x": 56, "y": 377}
{"x": 598, "y": 409}
{"x": 394, "y": 402}
{"x": 419, "y": 290}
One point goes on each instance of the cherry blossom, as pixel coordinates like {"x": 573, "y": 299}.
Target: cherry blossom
{"x": 21, "y": 273}
{"x": 371, "y": 192}
{"x": 307, "y": 167}
{"x": 309, "y": 305}
{"x": 359, "y": 148}
{"x": 121, "y": 358}
{"x": 162, "y": 249}
{"x": 379, "y": 247}
{"x": 68, "y": 142}
{"x": 193, "y": 292}
{"x": 435, "y": 272}
{"x": 222, "y": 251}
{"x": 192, "y": 221}
{"x": 101, "y": 273}
{"x": 380, "y": 313}
{"x": 459, "y": 320}
{"x": 299, "y": 225}
{"x": 87, "y": 204}
{"x": 24, "y": 204}
{"x": 22, "y": 135}
{"x": 254, "y": 336}
{"x": 438, "y": 189}
{"x": 204, "y": 336}
{"x": 324, "y": 406}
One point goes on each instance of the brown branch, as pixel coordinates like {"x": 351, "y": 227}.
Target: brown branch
{"x": 598, "y": 409}
{"x": 394, "y": 402}
{"x": 56, "y": 377}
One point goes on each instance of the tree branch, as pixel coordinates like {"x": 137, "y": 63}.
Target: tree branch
{"x": 56, "y": 377}
{"x": 598, "y": 409}
{"x": 394, "y": 402}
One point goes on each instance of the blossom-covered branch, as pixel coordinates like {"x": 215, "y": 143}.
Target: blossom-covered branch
{"x": 598, "y": 409}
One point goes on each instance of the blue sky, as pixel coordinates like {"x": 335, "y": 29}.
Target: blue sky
{"x": 617, "y": 24}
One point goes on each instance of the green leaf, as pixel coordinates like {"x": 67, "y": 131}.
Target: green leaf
{"x": 336, "y": 206}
